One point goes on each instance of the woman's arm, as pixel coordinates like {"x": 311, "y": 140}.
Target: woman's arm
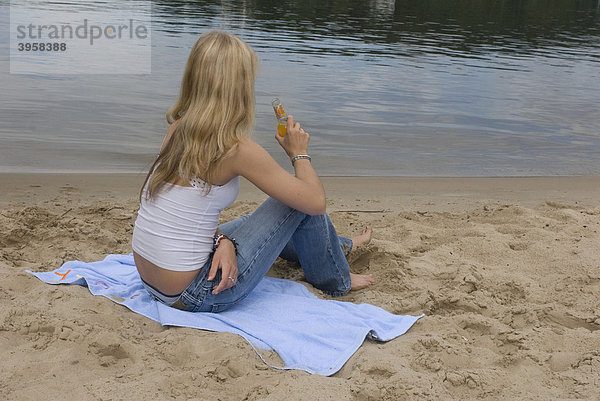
{"x": 303, "y": 192}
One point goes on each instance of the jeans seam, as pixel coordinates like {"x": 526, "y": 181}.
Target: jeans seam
{"x": 332, "y": 257}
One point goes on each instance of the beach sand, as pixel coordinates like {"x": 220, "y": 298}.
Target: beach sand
{"x": 507, "y": 271}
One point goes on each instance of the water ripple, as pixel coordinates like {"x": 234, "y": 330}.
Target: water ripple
{"x": 428, "y": 87}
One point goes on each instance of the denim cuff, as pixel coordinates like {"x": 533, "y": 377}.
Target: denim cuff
{"x": 346, "y": 244}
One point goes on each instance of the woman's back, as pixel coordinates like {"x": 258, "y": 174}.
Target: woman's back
{"x": 175, "y": 228}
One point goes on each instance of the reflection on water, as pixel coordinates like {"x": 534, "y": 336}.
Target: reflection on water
{"x": 420, "y": 87}
{"x": 415, "y": 28}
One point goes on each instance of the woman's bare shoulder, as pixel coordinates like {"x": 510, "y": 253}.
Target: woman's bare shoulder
{"x": 170, "y": 131}
{"x": 248, "y": 144}
{"x": 249, "y": 151}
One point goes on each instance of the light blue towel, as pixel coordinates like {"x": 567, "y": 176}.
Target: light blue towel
{"x": 308, "y": 333}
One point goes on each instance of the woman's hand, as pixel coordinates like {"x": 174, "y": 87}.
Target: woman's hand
{"x": 224, "y": 259}
{"x": 295, "y": 141}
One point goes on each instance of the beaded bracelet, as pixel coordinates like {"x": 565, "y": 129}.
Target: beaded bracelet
{"x": 217, "y": 241}
{"x": 300, "y": 157}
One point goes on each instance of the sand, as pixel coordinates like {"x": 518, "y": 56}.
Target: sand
{"x": 507, "y": 271}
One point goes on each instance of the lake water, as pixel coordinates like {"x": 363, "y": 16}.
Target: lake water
{"x": 405, "y": 88}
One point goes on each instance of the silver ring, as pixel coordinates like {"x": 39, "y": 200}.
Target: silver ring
{"x": 232, "y": 279}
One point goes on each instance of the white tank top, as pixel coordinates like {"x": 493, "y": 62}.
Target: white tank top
{"x": 175, "y": 229}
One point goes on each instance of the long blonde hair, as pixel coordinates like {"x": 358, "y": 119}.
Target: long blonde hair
{"x": 215, "y": 109}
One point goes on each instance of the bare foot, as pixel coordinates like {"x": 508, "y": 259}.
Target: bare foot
{"x": 363, "y": 238}
{"x": 360, "y": 281}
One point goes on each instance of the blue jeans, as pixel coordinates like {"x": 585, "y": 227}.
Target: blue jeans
{"x": 273, "y": 230}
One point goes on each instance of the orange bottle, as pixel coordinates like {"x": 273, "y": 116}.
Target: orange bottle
{"x": 281, "y": 117}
